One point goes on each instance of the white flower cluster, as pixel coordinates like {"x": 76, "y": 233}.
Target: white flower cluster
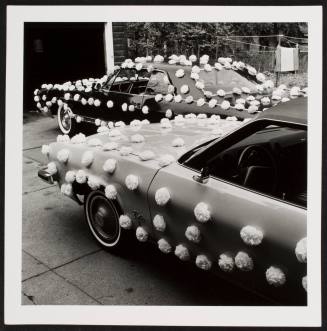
{"x": 78, "y": 139}
{"x": 63, "y": 155}
{"x": 275, "y": 276}
{"x": 66, "y": 189}
{"x": 226, "y": 263}
{"x": 193, "y": 233}
{"x": 87, "y": 158}
{"x": 146, "y": 155}
{"x": 202, "y": 212}
{"x": 81, "y": 177}
{"x": 93, "y": 182}
{"x": 141, "y": 234}
{"x": 70, "y": 176}
{"x": 137, "y": 138}
{"x": 51, "y": 168}
{"x": 109, "y": 165}
{"x": 45, "y": 149}
{"x": 182, "y": 252}
{"x": 110, "y": 192}
{"x": 132, "y": 182}
{"x": 164, "y": 246}
{"x": 162, "y": 196}
{"x": 301, "y": 250}
{"x": 159, "y": 223}
{"x": 243, "y": 261}
{"x": 203, "y": 262}
{"x": 165, "y": 160}
{"x": 126, "y": 150}
{"x": 63, "y": 138}
{"x": 178, "y": 142}
{"x": 125, "y": 222}
{"x": 251, "y": 235}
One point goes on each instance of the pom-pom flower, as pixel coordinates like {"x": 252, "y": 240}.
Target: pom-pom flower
{"x": 246, "y": 90}
{"x": 221, "y": 93}
{"x": 225, "y": 105}
{"x": 237, "y": 91}
{"x": 162, "y": 196}
{"x": 179, "y": 73}
{"x": 110, "y": 192}
{"x": 251, "y": 235}
{"x": 252, "y": 109}
{"x": 45, "y": 149}
{"x": 63, "y": 138}
{"x": 182, "y": 252}
{"x": 192, "y": 58}
{"x": 212, "y": 103}
{"x": 52, "y": 168}
{"x": 260, "y": 77}
{"x": 265, "y": 101}
{"x": 141, "y": 234}
{"x": 165, "y": 123}
{"x": 137, "y": 138}
{"x": 146, "y": 155}
{"x": 275, "y": 276}
{"x": 178, "y": 142}
{"x": 159, "y": 223}
{"x": 164, "y": 246}
{"x": 169, "y": 113}
{"x": 66, "y": 189}
{"x": 87, "y": 158}
{"x": 285, "y": 99}
{"x": 189, "y": 99}
{"x": 110, "y": 165}
{"x": 239, "y": 106}
{"x": 145, "y": 110}
{"x": 226, "y": 263}
{"x": 193, "y": 233}
{"x": 63, "y": 155}
{"x": 200, "y": 102}
{"x": 125, "y": 222}
{"x": 131, "y": 107}
{"x": 125, "y": 151}
{"x": 218, "y": 66}
{"x": 165, "y": 160}
{"x": 178, "y": 98}
{"x": 203, "y": 262}
{"x": 295, "y": 91}
{"x": 184, "y": 89}
{"x": 110, "y": 104}
{"x": 158, "y": 97}
{"x": 93, "y": 182}
{"x": 243, "y": 261}
{"x": 202, "y": 212}
{"x": 132, "y": 182}
{"x": 301, "y": 250}
{"x": 124, "y": 106}
{"x": 80, "y": 177}
{"x": 78, "y": 139}
{"x": 70, "y": 176}
{"x": 169, "y": 97}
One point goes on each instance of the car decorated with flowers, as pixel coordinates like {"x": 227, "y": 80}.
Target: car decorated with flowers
{"x": 228, "y": 196}
{"x": 153, "y": 90}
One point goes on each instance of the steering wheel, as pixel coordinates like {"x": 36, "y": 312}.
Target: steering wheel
{"x": 258, "y": 156}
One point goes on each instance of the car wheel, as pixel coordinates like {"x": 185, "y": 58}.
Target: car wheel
{"x": 67, "y": 124}
{"x": 102, "y": 216}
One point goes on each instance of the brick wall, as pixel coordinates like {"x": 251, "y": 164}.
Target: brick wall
{"x": 120, "y": 42}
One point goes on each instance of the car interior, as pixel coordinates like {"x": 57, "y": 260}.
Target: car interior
{"x": 272, "y": 161}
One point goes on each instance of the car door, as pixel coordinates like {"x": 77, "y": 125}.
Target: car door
{"x": 233, "y": 207}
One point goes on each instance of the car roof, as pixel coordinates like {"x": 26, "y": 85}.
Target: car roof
{"x": 294, "y": 111}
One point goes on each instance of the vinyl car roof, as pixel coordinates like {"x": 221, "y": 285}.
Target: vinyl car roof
{"x": 294, "y": 111}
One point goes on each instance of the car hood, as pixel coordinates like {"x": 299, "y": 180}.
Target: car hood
{"x": 161, "y": 140}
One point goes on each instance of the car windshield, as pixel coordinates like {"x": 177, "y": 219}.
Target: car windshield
{"x": 224, "y": 79}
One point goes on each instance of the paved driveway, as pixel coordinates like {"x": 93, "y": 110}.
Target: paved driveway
{"x": 62, "y": 264}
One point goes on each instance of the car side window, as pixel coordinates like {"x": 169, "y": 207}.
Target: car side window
{"x": 272, "y": 160}
{"x": 122, "y": 82}
{"x": 140, "y": 81}
{"x": 158, "y": 83}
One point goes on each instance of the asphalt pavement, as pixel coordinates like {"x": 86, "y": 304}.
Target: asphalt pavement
{"x": 62, "y": 264}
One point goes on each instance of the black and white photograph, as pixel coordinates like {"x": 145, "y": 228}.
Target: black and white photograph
{"x": 164, "y": 165}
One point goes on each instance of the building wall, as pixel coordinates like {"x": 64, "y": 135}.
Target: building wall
{"x": 119, "y": 42}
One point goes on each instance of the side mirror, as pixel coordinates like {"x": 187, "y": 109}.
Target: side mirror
{"x": 203, "y": 177}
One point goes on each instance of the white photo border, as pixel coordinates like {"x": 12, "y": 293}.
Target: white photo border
{"x": 15, "y": 312}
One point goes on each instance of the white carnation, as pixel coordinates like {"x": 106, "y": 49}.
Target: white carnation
{"x": 97, "y": 102}
{"x": 226, "y": 263}
{"x": 246, "y": 90}
{"x": 169, "y": 97}
{"x": 275, "y": 276}
{"x": 202, "y": 212}
{"x": 252, "y": 71}
{"x": 83, "y": 101}
{"x": 237, "y": 91}
{"x": 159, "y": 223}
{"x": 131, "y": 107}
{"x": 146, "y": 155}
{"x": 194, "y": 76}
{"x": 184, "y": 89}
{"x": 165, "y": 123}
{"x": 221, "y": 93}
{"x": 193, "y": 233}
{"x": 169, "y": 113}
{"x": 93, "y": 182}
{"x": 114, "y": 133}
{"x": 141, "y": 234}
{"x": 192, "y": 58}
{"x": 179, "y": 73}
{"x": 203, "y": 262}
{"x": 212, "y": 103}
{"x": 67, "y": 96}
{"x": 218, "y": 66}
{"x": 78, "y": 119}
{"x": 189, "y": 99}
{"x": 207, "y": 67}
{"x": 243, "y": 261}
{"x": 70, "y": 176}
{"x": 124, "y": 106}
{"x": 90, "y": 101}
{"x": 125, "y": 222}
{"x": 165, "y": 160}
{"x": 251, "y": 235}
{"x": 87, "y": 158}
{"x": 76, "y": 97}
{"x": 204, "y": 59}
{"x": 200, "y": 102}
{"x": 162, "y": 196}
{"x": 268, "y": 84}
{"x": 301, "y": 250}
{"x": 110, "y": 192}
{"x": 295, "y": 91}
{"x": 239, "y": 106}
{"x": 66, "y": 189}
{"x": 265, "y": 101}
{"x": 63, "y": 138}
{"x": 137, "y": 138}
{"x": 45, "y": 149}
{"x": 110, "y": 104}
{"x": 110, "y": 146}
{"x": 196, "y": 69}
{"x": 164, "y": 246}
{"x": 81, "y": 177}
{"x": 51, "y": 168}
{"x": 132, "y": 182}
{"x": 285, "y": 99}
{"x": 102, "y": 130}
{"x": 63, "y": 155}
{"x": 252, "y": 109}
{"x": 260, "y": 77}
{"x": 97, "y": 122}
{"x": 109, "y": 165}
{"x": 158, "y": 97}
